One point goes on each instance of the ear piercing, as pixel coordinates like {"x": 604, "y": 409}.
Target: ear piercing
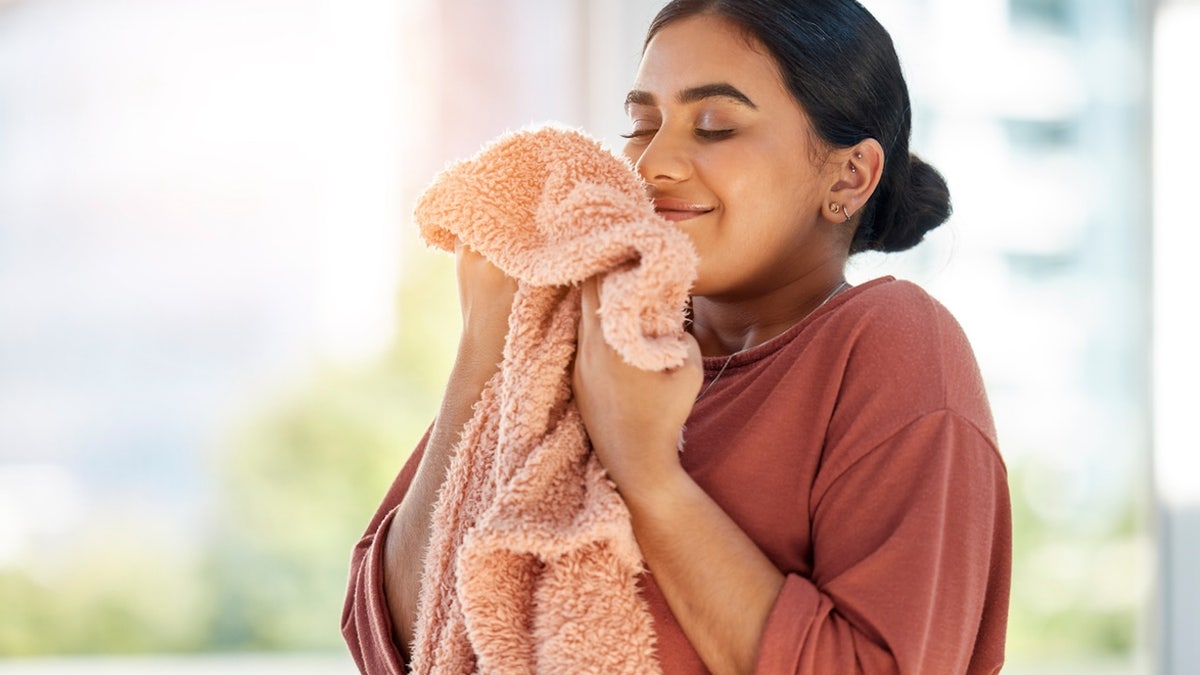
{"x": 837, "y": 208}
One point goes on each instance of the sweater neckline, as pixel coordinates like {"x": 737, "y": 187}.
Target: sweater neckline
{"x": 713, "y": 364}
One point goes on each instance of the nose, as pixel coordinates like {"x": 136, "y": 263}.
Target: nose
{"x": 663, "y": 160}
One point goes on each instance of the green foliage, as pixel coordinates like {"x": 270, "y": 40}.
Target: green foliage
{"x": 110, "y": 591}
{"x": 295, "y": 486}
{"x": 1080, "y": 572}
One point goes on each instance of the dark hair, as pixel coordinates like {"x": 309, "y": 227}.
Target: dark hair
{"x": 841, "y": 66}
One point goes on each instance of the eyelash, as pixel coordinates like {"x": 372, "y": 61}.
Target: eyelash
{"x": 706, "y": 134}
{"x": 641, "y": 133}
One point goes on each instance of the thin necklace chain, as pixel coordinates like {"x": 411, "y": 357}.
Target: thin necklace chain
{"x": 836, "y": 289}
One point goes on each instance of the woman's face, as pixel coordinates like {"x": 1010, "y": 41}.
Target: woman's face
{"x": 728, "y": 154}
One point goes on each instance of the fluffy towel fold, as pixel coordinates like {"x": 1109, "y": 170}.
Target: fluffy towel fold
{"x": 532, "y": 566}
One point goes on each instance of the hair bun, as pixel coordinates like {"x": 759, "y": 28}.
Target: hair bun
{"x": 920, "y": 206}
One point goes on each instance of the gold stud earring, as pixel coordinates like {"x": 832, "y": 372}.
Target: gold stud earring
{"x": 837, "y": 208}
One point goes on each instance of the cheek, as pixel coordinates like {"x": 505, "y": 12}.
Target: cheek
{"x": 790, "y": 186}
{"x": 751, "y": 191}
{"x": 732, "y": 174}
{"x": 768, "y": 203}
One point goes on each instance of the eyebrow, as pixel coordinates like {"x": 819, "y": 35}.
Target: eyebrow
{"x": 694, "y": 94}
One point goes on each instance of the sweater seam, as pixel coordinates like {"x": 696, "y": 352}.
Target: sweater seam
{"x": 994, "y": 449}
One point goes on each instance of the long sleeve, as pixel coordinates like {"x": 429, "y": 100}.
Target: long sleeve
{"x": 366, "y": 619}
{"x": 911, "y": 565}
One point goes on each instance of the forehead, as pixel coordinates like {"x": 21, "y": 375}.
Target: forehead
{"x": 708, "y": 48}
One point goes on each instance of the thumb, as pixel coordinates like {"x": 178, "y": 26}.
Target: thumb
{"x": 693, "y": 364}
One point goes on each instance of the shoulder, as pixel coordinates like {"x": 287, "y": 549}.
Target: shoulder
{"x": 906, "y": 356}
{"x": 898, "y": 309}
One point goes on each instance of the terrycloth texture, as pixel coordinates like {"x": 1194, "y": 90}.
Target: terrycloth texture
{"x": 532, "y": 566}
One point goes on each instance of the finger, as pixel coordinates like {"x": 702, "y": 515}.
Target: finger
{"x": 588, "y": 305}
{"x": 461, "y": 249}
{"x": 589, "y": 298}
{"x": 695, "y": 362}
{"x": 693, "y": 348}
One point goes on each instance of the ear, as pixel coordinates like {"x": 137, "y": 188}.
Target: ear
{"x": 856, "y": 172}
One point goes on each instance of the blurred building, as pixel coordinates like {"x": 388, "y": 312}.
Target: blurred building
{"x": 1037, "y": 113}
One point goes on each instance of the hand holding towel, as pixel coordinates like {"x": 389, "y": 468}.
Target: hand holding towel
{"x": 532, "y": 565}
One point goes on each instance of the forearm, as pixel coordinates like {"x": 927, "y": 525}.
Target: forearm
{"x": 720, "y": 586}
{"x": 408, "y": 536}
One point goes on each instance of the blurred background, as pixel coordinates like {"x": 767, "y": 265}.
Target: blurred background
{"x": 220, "y": 336}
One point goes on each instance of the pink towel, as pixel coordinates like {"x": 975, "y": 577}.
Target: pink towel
{"x": 532, "y": 566}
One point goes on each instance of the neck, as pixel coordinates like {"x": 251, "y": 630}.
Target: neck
{"x": 725, "y": 326}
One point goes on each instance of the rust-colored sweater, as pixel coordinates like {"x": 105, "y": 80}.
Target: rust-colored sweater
{"x": 858, "y": 450}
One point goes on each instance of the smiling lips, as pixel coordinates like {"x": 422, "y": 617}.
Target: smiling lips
{"x": 677, "y": 209}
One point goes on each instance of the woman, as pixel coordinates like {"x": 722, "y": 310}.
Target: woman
{"x": 840, "y": 505}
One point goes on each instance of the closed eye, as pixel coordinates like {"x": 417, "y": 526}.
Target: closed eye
{"x": 639, "y": 133}
{"x": 706, "y": 134}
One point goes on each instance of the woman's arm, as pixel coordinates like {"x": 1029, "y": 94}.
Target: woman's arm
{"x": 389, "y": 560}
{"x": 718, "y": 583}
{"x": 485, "y": 296}
{"x": 408, "y": 536}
